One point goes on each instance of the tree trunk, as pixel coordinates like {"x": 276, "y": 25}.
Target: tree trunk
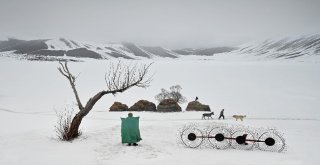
{"x": 76, "y": 121}
{"x": 74, "y": 127}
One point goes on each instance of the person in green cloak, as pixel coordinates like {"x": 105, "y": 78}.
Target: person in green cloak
{"x": 130, "y": 132}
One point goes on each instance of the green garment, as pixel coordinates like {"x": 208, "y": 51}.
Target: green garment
{"x": 130, "y": 132}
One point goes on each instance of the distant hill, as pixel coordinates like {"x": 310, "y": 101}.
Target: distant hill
{"x": 66, "y": 49}
{"x": 287, "y": 48}
{"x": 63, "y": 48}
{"x": 205, "y": 51}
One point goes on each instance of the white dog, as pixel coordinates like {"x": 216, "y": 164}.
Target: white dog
{"x": 241, "y": 117}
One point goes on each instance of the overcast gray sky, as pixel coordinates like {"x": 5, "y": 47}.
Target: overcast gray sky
{"x": 168, "y": 23}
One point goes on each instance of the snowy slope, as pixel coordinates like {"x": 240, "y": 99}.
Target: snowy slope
{"x": 299, "y": 48}
{"x": 286, "y": 48}
{"x": 62, "y": 48}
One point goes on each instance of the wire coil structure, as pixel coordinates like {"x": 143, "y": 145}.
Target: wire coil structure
{"x": 224, "y": 137}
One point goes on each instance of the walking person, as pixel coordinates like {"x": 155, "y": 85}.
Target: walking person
{"x": 130, "y": 132}
{"x": 221, "y": 114}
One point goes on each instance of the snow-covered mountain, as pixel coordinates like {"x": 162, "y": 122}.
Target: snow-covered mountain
{"x": 204, "y": 51}
{"x": 287, "y": 48}
{"x": 63, "y": 48}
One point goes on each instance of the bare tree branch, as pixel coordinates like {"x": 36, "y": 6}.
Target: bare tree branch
{"x": 64, "y": 70}
{"x": 119, "y": 78}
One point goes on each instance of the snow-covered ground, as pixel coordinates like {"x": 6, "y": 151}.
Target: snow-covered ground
{"x": 282, "y": 94}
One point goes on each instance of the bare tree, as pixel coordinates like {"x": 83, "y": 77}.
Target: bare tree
{"x": 163, "y": 95}
{"x": 175, "y": 94}
{"x": 119, "y": 79}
